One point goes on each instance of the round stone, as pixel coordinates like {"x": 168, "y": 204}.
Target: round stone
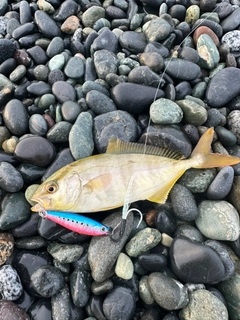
{"x": 99, "y": 102}
{"x": 218, "y": 220}
{"x": 202, "y": 303}
{"x": 37, "y": 125}
{"x": 124, "y": 267}
{"x": 169, "y": 293}
{"x": 222, "y": 184}
{"x": 91, "y": 15}
{"x": 74, "y": 68}
{"x": 11, "y": 179}
{"x": 182, "y": 69}
{"x": 59, "y": 132}
{"x": 105, "y": 62}
{"x": 55, "y": 47}
{"x": 47, "y": 281}
{"x": 35, "y": 150}
{"x": 63, "y": 91}
{"x": 56, "y": 62}
{"x": 165, "y": 111}
{"x": 133, "y": 41}
{"x": 193, "y": 113}
{"x": 157, "y": 29}
{"x": 198, "y": 180}
{"x": 153, "y": 60}
{"x": 65, "y": 253}
{"x": 15, "y": 117}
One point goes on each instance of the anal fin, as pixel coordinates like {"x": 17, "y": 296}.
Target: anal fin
{"x": 161, "y": 195}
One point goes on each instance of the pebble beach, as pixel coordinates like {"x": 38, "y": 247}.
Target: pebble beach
{"x": 74, "y": 73}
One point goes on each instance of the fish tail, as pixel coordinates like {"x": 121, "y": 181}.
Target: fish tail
{"x": 203, "y": 158}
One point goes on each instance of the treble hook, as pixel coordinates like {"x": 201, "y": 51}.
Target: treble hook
{"x": 123, "y": 225}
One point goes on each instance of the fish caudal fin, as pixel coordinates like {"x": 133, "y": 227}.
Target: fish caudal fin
{"x": 203, "y": 158}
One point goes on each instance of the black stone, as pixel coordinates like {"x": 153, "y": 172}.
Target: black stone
{"x": 38, "y": 55}
{"x": 106, "y": 40}
{"x": 28, "y": 228}
{"x": 164, "y": 221}
{"x": 143, "y": 75}
{"x": 178, "y": 11}
{"x": 113, "y": 12}
{"x": 29, "y": 41}
{"x": 182, "y": 90}
{"x": 135, "y": 42}
{"x": 80, "y": 282}
{"x": 30, "y": 173}
{"x": 67, "y": 9}
{"x": 122, "y": 95}
{"x": 214, "y": 26}
{"x": 95, "y": 307}
{"x": 7, "y": 49}
{"x": 47, "y": 25}
{"x": 41, "y": 309}
{"x": 182, "y": 69}
{"x": 205, "y": 266}
{"x": 11, "y": 179}
{"x": 231, "y": 22}
{"x": 25, "y": 12}
{"x": 153, "y": 262}
{"x": 23, "y": 30}
{"x": 20, "y": 92}
{"x": 119, "y": 304}
{"x": 35, "y": 150}
{"x": 50, "y": 230}
{"x": 8, "y": 66}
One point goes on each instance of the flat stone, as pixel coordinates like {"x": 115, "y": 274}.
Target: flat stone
{"x": 47, "y": 25}
{"x": 99, "y": 102}
{"x": 65, "y": 253}
{"x": 223, "y": 87}
{"x": 66, "y": 9}
{"x": 74, "y": 68}
{"x": 218, "y": 220}
{"x": 133, "y": 41}
{"x": 106, "y": 40}
{"x": 202, "y": 302}
{"x": 63, "y": 91}
{"x": 182, "y": 69}
{"x": 231, "y": 22}
{"x": 169, "y": 293}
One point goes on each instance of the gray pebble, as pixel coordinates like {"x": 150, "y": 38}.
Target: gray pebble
{"x": 10, "y": 283}
{"x": 61, "y": 305}
{"x": 198, "y": 180}
{"x": 63, "y": 91}
{"x": 193, "y": 113}
{"x": 11, "y": 179}
{"x": 65, "y": 253}
{"x": 74, "y": 68}
{"x": 92, "y": 85}
{"x": 91, "y": 15}
{"x": 202, "y": 304}
{"x": 183, "y": 202}
{"x": 222, "y": 184}
{"x": 80, "y": 137}
{"x": 55, "y": 47}
{"x": 37, "y": 125}
{"x": 59, "y": 132}
{"x": 233, "y": 121}
{"x": 218, "y": 220}
{"x": 18, "y": 73}
{"x": 56, "y": 62}
{"x": 226, "y": 137}
{"x": 105, "y": 62}
{"x": 157, "y": 29}
{"x": 99, "y": 102}
{"x": 169, "y": 293}
{"x": 15, "y": 117}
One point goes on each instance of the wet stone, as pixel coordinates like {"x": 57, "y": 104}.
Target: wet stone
{"x": 6, "y": 90}
{"x": 7, "y": 245}
{"x": 164, "y": 111}
{"x": 61, "y": 304}
{"x": 144, "y": 96}
{"x": 80, "y": 284}
{"x": 222, "y": 184}
{"x": 204, "y": 267}
{"x": 99, "y": 288}
{"x": 11, "y": 179}
{"x": 144, "y": 291}
{"x": 99, "y": 102}
{"x": 193, "y": 113}
{"x": 59, "y": 132}
{"x": 218, "y": 220}
{"x": 157, "y": 29}
{"x": 202, "y": 302}
{"x": 104, "y": 246}
{"x": 35, "y": 150}
{"x": 223, "y": 87}
{"x": 80, "y": 137}
{"x": 63, "y": 91}
{"x": 14, "y": 210}
{"x": 183, "y": 202}
{"x": 119, "y": 304}
{"x": 10, "y": 310}
{"x": 152, "y": 261}
{"x": 105, "y": 62}
{"x": 189, "y": 232}
{"x": 164, "y": 221}
{"x": 143, "y": 241}
{"x": 74, "y": 68}
{"x": 11, "y": 287}
{"x": 198, "y": 180}
{"x": 31, "y": 243}
{"x": 169, "y": 293}
{"x": 46, "y": 25}
{"x": 118, "y": 123}
{"x": 15, "y": 117}
{"x": 65, "y": 253}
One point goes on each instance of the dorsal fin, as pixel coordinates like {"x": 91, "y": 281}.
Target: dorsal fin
{"x": 117, "y": 146}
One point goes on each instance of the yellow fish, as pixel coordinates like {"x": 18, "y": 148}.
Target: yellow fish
{"x": 100, "y": 182}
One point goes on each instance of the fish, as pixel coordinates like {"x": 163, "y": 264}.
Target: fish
{"x": 99, "y": 182}
{"x": 77, "y": 223}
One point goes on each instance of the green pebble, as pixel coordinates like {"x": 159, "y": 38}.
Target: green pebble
{"x": 199, "y": 90}
{"x": 208, "y": 52}
{"x": 213, "y": 16}
{"x": 193, "y": 113}
{"x": 165, "y": 111}
{"x": 91, "y": 15}
{"x": 124, "y": 267}
{"x": 143, "y": 241}
{"x": 198, "y": 180}
{"x": 46, "y": 101}
{"x": 144, "y": 292}
{"x": 192, "y": 14}
{"x": 65, "y": 253}
{"x": 57, "y": 62}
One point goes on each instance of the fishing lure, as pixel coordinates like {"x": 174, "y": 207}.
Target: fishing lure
{"x": 77, "y": 223}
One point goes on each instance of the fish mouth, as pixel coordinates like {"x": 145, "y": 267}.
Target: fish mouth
{"x": 41, "y": 204}
{"x": 37, "y": 208}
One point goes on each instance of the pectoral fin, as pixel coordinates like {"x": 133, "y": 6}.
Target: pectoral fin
{"x": 161, "y": 195}
{"x": 99, "y": 183}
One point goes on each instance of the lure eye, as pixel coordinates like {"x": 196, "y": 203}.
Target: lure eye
{"x": 103, "y": 229}
{"x": 51, "y": 188}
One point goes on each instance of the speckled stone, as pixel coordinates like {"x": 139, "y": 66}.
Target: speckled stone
{"x": 143, "y": 241}
{"x": 157, "y": 29}
{"x": 124, "y": 267}
{"x": 10, "y": 310}
{"x": 60, "y": 303}
{"x": 10, "y": 283}
{"x": 65, "y": 253}
{"x": 91, "y": 15}
{"x": 192, "y": 14}
{"x": 204, "y": 304}
{"x": 105, "y": 62}
{"x": 233, "y": 121}
{"x": 7, "y": 245}
{"x": 218, "y": 220}
{"x": 165, "y": 111}
{"x": 144, "y": 291}
{"x": 198, "y": 180}
{"x": 80, "y": 137}
{"x": 11, "y": 179}
{"x": 99, "y": 102}
{"x": 193, "y": 113}
{"x": 59, "y": 132}
{"x": 169, "y": 293}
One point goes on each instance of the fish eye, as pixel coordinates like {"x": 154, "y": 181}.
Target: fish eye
{"x": 51, "y": 188}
